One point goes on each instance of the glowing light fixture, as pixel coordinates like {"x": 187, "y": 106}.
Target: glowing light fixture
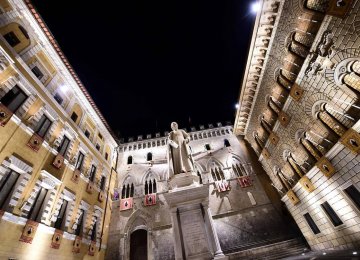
{"x": 64, "y": 88}
{"x": 255, "y": 7}
{"x": 237, "y": 106}
{"x": 355, "y": 253}
{"x": 324, "y": 253}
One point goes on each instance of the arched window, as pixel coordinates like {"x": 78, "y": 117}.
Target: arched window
{"x": 128, "y": 191}
{"x": 146, "y": 188}
{"x": 132, "y": 190}
{"x": 227, "y": 143}
{"x": 123, "y": 192}
{"x": 130, "y": 160}
{"x": 150, "y": 185}
{"x": 149, "y": 157}
{"x": 200, "y": 179}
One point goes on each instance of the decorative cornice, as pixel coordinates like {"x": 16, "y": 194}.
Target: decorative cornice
{"x": 258, "y": 54}
{"x": 51, "y": 39}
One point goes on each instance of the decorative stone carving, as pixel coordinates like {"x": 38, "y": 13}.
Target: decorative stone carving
{"x": 351, "y": 139}
{"x": 326, "y": 167}
{"x": 292, "y": 196}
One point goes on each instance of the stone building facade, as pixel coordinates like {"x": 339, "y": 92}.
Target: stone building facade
{"x": 243, "y": 215}
{"x": 299, "y": 109}
{"x": 56, "y": 150}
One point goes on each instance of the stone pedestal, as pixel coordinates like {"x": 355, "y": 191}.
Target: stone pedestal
{"x": 184, "y": 180}
{"x": 194, "y": 233}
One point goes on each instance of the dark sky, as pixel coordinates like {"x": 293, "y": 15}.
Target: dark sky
{"x": 148, "y": 63}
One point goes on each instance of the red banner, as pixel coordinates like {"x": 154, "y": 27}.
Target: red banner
{"x": 29, "y": 231}
{"x": 244, "y": 181}
{"x": 56, "y": 240}
{"x": 222, "y": 185}
{"x": 150, "y": 199}
{"x": 126, "y": 204}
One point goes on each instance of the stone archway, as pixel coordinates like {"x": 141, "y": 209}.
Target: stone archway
{"x": 139, "y": 244}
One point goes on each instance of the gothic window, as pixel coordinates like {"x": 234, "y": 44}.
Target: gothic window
{"x": 149, "y": 157}
{"x": 127, "y": 191}
{"x": 334, "y": 218}
{"x": 353, "y": 193}
{"x": 7, "y": 185}
{"x": 311, "y": 224}
{"x": 12, "y": 39}
{"x": 150, "y": 185}
{"x": 217, "y": 174}
{"x": 64, "y": 145}
{"x": 132, "y": 190}
{"x": 43, "y": 126}
{"x": 14, "y": 99}
{"x": 61, "y": 218}
{"x": 106, "y": 156}
{"x": 97, "y": 146}
{"x": 80, "y": 161}
{"x": 92, "y": 173}
{"x": 237, "y": 170}
{"x": 200, "y": 178}
{"x": 130, "y": 160}
{"x": 226, "y": 143}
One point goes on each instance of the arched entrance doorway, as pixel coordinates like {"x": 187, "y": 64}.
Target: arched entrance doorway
{"x": 138, "y": 245}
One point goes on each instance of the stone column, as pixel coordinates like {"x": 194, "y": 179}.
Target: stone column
{"x": 210, "y": 227}
{"x": 177, "y": 238}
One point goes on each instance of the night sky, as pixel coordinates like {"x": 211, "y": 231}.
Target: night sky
{"x": 148, "y": 63}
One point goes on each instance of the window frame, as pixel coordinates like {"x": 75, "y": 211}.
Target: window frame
{"x": 37, "y": 72}
{"x": 58, "y": 98}
{"x": 73, "y": 114}
{"x": 20, "y": 91}
{"x": 92, "y": 172}
{"x": 12, "y": 36}
{"x": 346, "y": 197}
{"x": 330, "y": 220}
{"x": 313, "y": 220}
{"x": 38, "y": 128}
{"x": 62, "y": 143}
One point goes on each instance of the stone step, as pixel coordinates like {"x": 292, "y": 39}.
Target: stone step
{"x": 276, "y": 250}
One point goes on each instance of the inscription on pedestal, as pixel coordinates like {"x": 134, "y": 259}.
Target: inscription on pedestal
{"x": 193, "y": 230}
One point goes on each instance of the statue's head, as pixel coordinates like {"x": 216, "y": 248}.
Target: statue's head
{"x": 174, "y": 126}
